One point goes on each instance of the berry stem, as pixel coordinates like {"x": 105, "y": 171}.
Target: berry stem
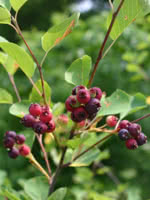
{"x": 33, "y": 56}
{"x": 100, "y": 55}
{"x": 139, "y": 119}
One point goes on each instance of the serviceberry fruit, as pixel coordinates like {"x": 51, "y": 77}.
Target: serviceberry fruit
{"x": 51, "y": 126}
{"x": 111, "y": 120}
{"x": 28, "y": 120}
{"x": 20, "y": 139}
{"x": 92, "y": 116}
{"x": 124, "y": 124}
{"x": 35, "y": 109}
{"x": 93, "y": 106}
{"x": 46, "y": 116}
{"x": 131, "y": 143}
{"x": 124, "y": 134}
{"x": 134, "y": 129}
{"x": 71, "y": 103}
{"x": 24, "y": 150}
{"x": 9, "y": 142}
{"x": 13, "y": 153}
{"x": 77, "y": 88}
{"x": 96, "y": 93}
{"x": 63, "y": 119}
{"x": 83, "y": 96}
{"x": 40, "y": 127}
{"x": 141, "y": 139}
{"x": 10, "y": 134}
{"x": 79, "y": 114}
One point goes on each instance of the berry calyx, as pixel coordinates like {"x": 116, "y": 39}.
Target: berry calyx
{"x": 35, "y": 109}
{"x": 11, "y": 134}
{"x": 124, "y": 134}
{"x": 46, "y": 116}
{"x": 9, "y": 142}
{"x": 83, "y": 96}
{"x": 13, "y": 153}
{"x": 93, "y": 106}
{"x": 40, "y": 127}
{"x": 71, "y": 103}
{"x": 134, "y": 129}
{"x": 111, "y": 120}
{"x": 28, "y": 120}
{"x": 20, "y": 139}
{"x": 124, "y": 124}
{"x": 131, "y": 143}
{"x": 79, "y": 114}
{"x": 51, "y": 126}
{"x": 77, "y": 88}
{"x": 96, "y": 93}
{"x": 24, "y": 150}
{"x": 141, "y": 139}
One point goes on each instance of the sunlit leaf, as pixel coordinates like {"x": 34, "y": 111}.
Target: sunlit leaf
{"x": 5, "y": 4}
{"x": 5, "y": 97}
{"x": 59, "y": 194}
{"x": 17, "y": 4}
{"x": 5, "y": 17}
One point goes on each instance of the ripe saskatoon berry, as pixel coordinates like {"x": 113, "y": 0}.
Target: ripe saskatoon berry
{"x": 10, "y": 134}
{"x": 96, "y": 93}
{"x": 13, "y": 153}
{"x": 83, "y": 96}
{"x": 63, "y": 119}
{"x": 124, "y": 124}
{"x": 28, "y": 120}
{"x": 141, "y": 139}
{"x": 35, "y": 109}
{"x": 9, "y": 142}
{"x": 93, "y": 106}
{"x": 51, "y": 126}
{"x": 79, "y": 114}
{"x": 71, "y": 102}
{"x": 131, "y": 143}
{"x": 111, "y": 120}
{"x": 77, "y": 88}
{"x": 124, "y": 134}
{"x": 20, "y": 139}
{"x": 46, "y": 116}
{"x": 24, "y": 150}
{"x": 134, "y": 129}
{"x": 40, "y": 127}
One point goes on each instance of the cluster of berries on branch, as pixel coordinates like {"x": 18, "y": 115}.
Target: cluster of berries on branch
{"x": 39, "y": 119}
{"x": 84, "y": 103}
{"x": 15, "y": 144}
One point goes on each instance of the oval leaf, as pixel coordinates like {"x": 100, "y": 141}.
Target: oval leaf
{"x": 30, "y": 136}
{"x": 17, "y": 4}
{"x": 5, "y": 97}
{"x": 23, "y": 59}
{"x": 57, "y": 33}
{"x": 5, "y": 4}
{"x": 59, "y": 194}
{"x": 78, "y": 72}
{"x": 5, "y": 17}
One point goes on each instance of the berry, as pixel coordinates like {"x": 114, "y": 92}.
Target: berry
{"x": 77, "y": 88}
{"x": 9, "y": 142}
{"x": 81, "y": 124}
{"x": 35, "y": 109}
{"x": 134, "y": 129}
{"x": 46, "y": 116}
{"x": 63, "y": 119}
{"x": 141, "y": 139}
{"x": 51, "y": 126}
{"x": 92, "y": 116}
{"x": 93, "y": 106}
{"x": 28, "y": 120}
{"x": 20, "y": 139}
{"x": 124, "y": 124}
{"x": 124, "y": 134}
{"x": 131, "y": 143}
{"x": 79, "y": 114}
{"x": 83, "y": 96}
{"x": 40, "y": 127}
{"x": 111, "y": 120}
{"x": 24, "y": 150}
{"x": 96, "y": 93}
{"x": 11, "y": 134}
{"x": 13, "y": 153}
{"x": 71, "y": 102}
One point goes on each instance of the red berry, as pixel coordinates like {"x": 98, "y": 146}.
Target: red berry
{"x": 96, "y": 93}
{"x": 63, "y": 119}
{"x": 111, "y": 120}
{"x": 93, "y": 106}
{"x": 134, "y": 129}
{"x": 46, "y": 116}
{"x": 131, "y": 143}
{"x": 77, "y": 88}
{"x": 79, "y": 114}
{"x": 141, "y": 139}
{"x": 28, "y": 120}
{"x": 71, "y": 103}
{"x": 13, "y": 153}
{"x": 20, "y": 139}
{"x": 81, "y": 124}
{"x": 51, "y": 126}
{"x": 9, "y": 142}
{"x": 40, "y": 127}
{"x": 10, "y": 134}
{"x": 24, "y": 150}
{"x": 124, "y": 124}
{"x": 83, "y": 96}
{"x": 35, "y": 109}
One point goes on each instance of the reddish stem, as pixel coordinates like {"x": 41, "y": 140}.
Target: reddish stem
{"x": 139, "y": 119}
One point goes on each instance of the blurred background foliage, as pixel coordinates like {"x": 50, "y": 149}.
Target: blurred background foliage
{"x": 122, "y": 174}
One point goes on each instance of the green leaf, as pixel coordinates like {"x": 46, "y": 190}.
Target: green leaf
{"x": 23, "y": 59}
{"x": 57, "y": 33}
{"x": 17, "y": 4}
{"x": 5, "y": 4}
{"x": 30, "y": 136}
{"x": 10, "y": 65}
{"x": 2, "y": 176}
{"x": 37, "y": 188}
{"x": 78, "y": 72}
{"x": 130, "y": 11}
{"x": 59, "y": 194}
{"x": 9, "y": 193}
{"x": 5, "y": 17}
{"x": 3, "y": 57}
{"x": 20, "y": 109}
{"x": 35, "y": 97}
{"x": 5, "y": 97}
{"x": 58, "y": 109}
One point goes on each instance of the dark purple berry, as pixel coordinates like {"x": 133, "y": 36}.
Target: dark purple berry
{"x": 83, "y": 96}
{"x": 51, "y": 126}
{"x": 111, "y": 120}
{"x": 141, "y": 139}
{"x": 40, "y": 127}
{"x": 9, "y": 142}
{"x": 71, "y": 103}
{"x": 10, "y": 134}
{"x": 77, "y": 88}
{"x": 93, "y": 106}
{"x": 24, "y": 150}
{"x": 35, "y": 109}
{"x": 131, "y": 143}
{"x": 13, "y": 153}
{"x": 46, "y": 116}
{"x": 134, "y": 129}
{"x": 20, "y": 139}
{"x": 79, "y": 114}
{"x": 96, "y": 93}
{"x": 124, "y": 134}
{"x": 92, "y": 116}
{"x": 28, "y": 120}
{"x": 124, "y": 124}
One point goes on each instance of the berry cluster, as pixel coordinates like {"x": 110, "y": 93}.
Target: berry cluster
{"x": 131, "y": 134}
{"x": 40, "y": 119}
{"x": 83, "y": 103}
{"x": 15, "y": 144}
